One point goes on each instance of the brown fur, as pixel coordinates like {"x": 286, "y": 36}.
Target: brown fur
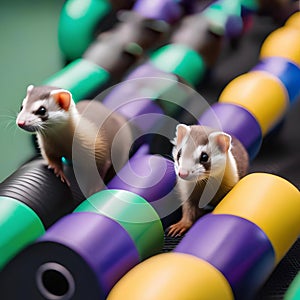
{"x": 192, "y": 190}
{"x": 87, "y": 130}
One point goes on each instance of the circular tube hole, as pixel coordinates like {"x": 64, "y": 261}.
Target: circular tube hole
{"x": 55, "y": 282}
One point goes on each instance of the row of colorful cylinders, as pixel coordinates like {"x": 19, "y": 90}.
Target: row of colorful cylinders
{"x": 82, "y": 77}
{"x": 227, "y": 254}
{"x": 87, "y": 75}
{"x": 266, "y": 253}
{"x": 253, "y": 104}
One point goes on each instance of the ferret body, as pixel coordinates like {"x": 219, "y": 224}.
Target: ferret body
{"x": 64, "y": 129}
{"x": 208, "y": 163}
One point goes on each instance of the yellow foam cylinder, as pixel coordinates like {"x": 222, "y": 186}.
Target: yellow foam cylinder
{"x": 172, "y": 276}
{"x": 294, "y": 20}
{"x": 269, "y": 201}
{"x": 283, "y": 42}
{"x": 259, "y": 93}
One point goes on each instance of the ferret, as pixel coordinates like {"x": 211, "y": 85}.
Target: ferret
{"x": 62, "y": 126}
{"x": 208, "y": 163}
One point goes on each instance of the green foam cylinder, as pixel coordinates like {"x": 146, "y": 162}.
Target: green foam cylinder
{"x": 77, "y": 24}
{"x": 219, "y": 12}
{"x": 81, "y": 77}
{"x": 250, "y": 4}
{"x": 293, "y": 292}
{"x": 19, "y": 226}
{"x": 133, "y": 213}
{"x": 180, "y": 60}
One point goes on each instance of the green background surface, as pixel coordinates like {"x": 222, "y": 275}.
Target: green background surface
{"x": 29, "y": 54}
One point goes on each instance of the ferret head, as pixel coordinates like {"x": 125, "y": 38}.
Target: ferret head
{"x": 199, "y": 152}
{"x": 44, "y": 107}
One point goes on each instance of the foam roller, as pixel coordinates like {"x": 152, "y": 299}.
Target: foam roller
{"x": 287, "y": 72}
{"x": 239, "y": 249}
{"x": 81, "y": 77}
{"x": 259, "y": 93}
{"x": 283, "y": 42}
{"x": 236, "y": 121}
{"x": 19, "y": 226}
{"x": 173, "y": 276}
{"x": 270, "y": 202}
{"x": 133, "y": 213}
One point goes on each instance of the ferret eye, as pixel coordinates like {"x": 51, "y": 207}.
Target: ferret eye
{"x": 203, "y": 157}
{"x": 21, "y": 108}
{"x": 41, "y": 111}
{"x": 179, "y": 154}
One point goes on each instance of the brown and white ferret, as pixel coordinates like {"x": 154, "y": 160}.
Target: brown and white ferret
{"x": 62, "y": 127}
{"x": 208, "y": 163}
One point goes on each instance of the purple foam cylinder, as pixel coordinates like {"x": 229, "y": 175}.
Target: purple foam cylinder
{"x": 166, "y": 10}
{"x": 134, "y": 98}
{"x": 153, "y": 178}
{"x": 236, "y": 121}
{"x": 99, "y": 241}
{"x": 287, "y": 72}
{"x": 234, "y": 26}
{"x": 148, "y": 70}
{"x": 149, "y": 176}
{"x": 238, "y": 248}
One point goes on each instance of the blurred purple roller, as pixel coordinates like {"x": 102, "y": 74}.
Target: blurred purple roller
{"x": 166, "y": 10}
{"x": 134, "y": 96}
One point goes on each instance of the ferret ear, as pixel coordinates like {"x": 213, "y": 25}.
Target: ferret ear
{"x": 221, "y": 139}
{"x": 30, "y": 88}
{"x": 182, "y": 131}
{"x": 63, "y": 98}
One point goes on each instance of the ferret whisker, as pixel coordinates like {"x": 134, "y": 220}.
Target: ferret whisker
{"x": 8, "y": 124}
{"x": 8, "y": 113}
{"x": 41, "y": 129}
{"x": 15, "y": 131}
{"x": 12, "y": 125}
{"x": 4, "y": 117}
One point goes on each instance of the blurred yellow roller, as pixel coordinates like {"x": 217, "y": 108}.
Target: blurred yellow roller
{"x": 261, "y": 94}
{"x": 283, "y": 42}
{"x": 294, "y": 20}
{"x": 269, "y": 201}
{"x": 172, "y": 276}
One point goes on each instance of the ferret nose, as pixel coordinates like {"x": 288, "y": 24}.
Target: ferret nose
{"x": 21, "y": 123}
{"x": 183, "y": 173}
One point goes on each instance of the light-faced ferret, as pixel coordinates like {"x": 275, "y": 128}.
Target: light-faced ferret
{"x": 62, "y": 126}
{"x": 208, "y": 163}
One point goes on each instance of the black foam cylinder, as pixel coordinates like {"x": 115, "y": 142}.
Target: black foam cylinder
{"x": 37, "y": 187}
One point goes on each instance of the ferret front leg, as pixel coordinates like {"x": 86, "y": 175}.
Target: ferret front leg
{"x": 190, "y": 214}
{"x": 56, "y": 165}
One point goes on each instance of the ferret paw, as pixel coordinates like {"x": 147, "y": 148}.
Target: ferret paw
{"x": 59, "y": 173}
{"x": 179, "y": 228}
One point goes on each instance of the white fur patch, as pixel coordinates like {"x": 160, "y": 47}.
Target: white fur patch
{"x": 185, "y": 138}
{"x": 199, "y": 150}
{"x": 37, "y": 104}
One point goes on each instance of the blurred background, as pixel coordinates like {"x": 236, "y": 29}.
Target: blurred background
{"x": 29, "y": 53}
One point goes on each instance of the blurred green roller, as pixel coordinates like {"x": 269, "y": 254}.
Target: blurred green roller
{"x": 81, "y": 77}
{"x": 77, "y": 25}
